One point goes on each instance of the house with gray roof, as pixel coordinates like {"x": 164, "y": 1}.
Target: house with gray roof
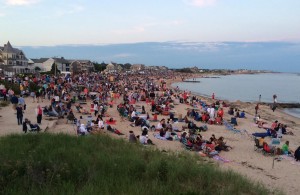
{"x": 12, "y": 56}
{"x": 64, "y": 65}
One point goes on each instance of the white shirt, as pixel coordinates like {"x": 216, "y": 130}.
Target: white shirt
{"x": 159, "y": 126}
{"x": 56, "y": 98}
{"x": 143, "y": 139}
{"x": 133, "y": 114}
{"x": 100, "y": 124}
{"x": 279, "y": 133}
{"x": 82, "y": 129}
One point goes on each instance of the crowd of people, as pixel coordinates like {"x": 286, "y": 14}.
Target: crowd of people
{"x": 68, "y": 96}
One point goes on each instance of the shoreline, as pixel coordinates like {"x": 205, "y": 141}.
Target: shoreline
{"x": 282, "y": 105}
{"x": 243, "y": 159}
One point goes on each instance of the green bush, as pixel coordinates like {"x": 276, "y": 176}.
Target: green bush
{"x": 4, "y": 103}
{"x": 62, "y": 164}
{"x": 14, "y": 86}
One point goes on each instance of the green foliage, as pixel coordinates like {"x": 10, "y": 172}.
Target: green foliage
{"x": 33, "y": 87}
{"x": 9, "y": 85}
{"x": 99, "y": 67}
{"x": 126, "y": 66}
{"x": 62, "y": 164}
{"x": 4, "y": 103}
{"x": 47, "y": 73}
{"x": 184, "y": 70}
{"x": 37, "y": 68}
{"x": 54, "y": 68}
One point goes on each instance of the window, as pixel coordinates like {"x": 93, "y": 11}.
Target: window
{"x": 67, "y": 69}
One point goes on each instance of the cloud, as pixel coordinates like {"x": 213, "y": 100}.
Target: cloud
{"x": 195, "y": 46}
{"x": 201, "y": 3}
{"x": 21, "y": 2}
{"x": 73, "y": 9}
{"x": 2, "y": 14}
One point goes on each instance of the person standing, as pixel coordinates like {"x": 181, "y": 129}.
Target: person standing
{"x": 22, "y": 102}
{"x": 39, "y": 114}
{"x": 256, "y": 109}
{"x": 19, "y": 114}
{"x": 259, "y": 99}
{"x": 213, "y": 96}
{"x": 14, "y": 100}
{"x": 275, "y": 98}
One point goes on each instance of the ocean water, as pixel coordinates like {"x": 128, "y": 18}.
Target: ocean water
{"x": 248, "y": 87}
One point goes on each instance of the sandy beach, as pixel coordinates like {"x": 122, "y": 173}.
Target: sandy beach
{"x": 243, "y": 159}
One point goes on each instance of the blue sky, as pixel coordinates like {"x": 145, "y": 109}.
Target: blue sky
{"x": 252, "y": 34}
{"x": 58, "y": 22}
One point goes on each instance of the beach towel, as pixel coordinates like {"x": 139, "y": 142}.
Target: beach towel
{"x": 261, "y": 134}
{"x": 220, "y": 159}
{"x": 111, "y": 122}
{"x": 156, "y": 135}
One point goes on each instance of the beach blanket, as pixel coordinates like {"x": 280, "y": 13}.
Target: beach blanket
{"x": 156, "y": 135}
{"x": 220, "y": 159}
{"x": 111, "y": 122}
{"x": 260, "y": 134}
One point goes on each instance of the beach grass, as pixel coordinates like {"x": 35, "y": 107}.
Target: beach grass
{"x": 63, "y": 164}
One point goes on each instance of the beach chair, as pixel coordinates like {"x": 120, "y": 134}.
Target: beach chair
{"x": 267, "y": 150}
{"x": 257, "y": 147}
{"x": 233, "y": 121}
{"x": 31, "y": 129}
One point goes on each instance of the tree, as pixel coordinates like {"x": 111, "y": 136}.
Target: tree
{"x": 54, "y": 70}
{"x": 99, "y": 67}
{"x": 37, "y": 68}
{"x": 127, "y": 66}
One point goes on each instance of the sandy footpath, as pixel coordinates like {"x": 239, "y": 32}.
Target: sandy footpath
{"x": 244, "y": 160}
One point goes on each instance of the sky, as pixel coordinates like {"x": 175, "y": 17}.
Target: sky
{"x": 233, "y": 33}
{"x": 58, "y": 22}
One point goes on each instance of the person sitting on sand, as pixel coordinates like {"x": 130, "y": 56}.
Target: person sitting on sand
{"x": 70, "y": 116}
{"x": 213, "y": 139}
{"x": 198, "y": 143}
{"x": 237, "y": 113}
{"x": 144, "y": 139}
{"x": 209, "y": 148}
{"x": 33, "y": 126}
{"x": 100, "y": 123}
{"x": 132, "y": 137}
{"x": 161, "y": 124}
{"x": 285, "y": 148}
{"x": 297, "y": 154}
{"x": 220, "y": 113}
{"x": 221, "y": 145}
{"x": 261, "y": 141}
{"x": 279, "y": 131}
{"x": 242, "y": 114}
{"x": 83, "y": 130}
{"x": 205, "y": 117}
{"x": 168, "y": 134}
{"x": 184, "y": 140}
{"x": 230, "y": 111}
